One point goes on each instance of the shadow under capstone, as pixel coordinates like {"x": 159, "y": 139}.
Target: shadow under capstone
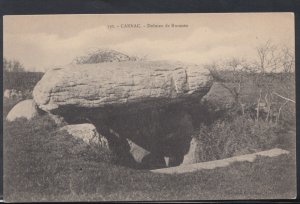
{"x": 164, "y": 131}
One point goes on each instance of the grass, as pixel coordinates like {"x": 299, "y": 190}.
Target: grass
{"x": 42, "y": 164}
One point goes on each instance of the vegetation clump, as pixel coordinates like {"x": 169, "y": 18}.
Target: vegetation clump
{"x": 103, "y": 55}
{"x": 235, "y": 136}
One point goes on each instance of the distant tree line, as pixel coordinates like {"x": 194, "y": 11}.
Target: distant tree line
{"x": 12, "y": 66}
{"x": 21, "y": 80}
{"x": 15, "y": 77}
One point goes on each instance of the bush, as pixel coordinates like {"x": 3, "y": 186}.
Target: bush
{"x": 103, "y": 55}
{"x": 236, "y": 136}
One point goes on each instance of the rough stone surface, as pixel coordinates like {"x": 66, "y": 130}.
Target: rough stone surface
{"x": 57, "y": 119}
{"x": 219, "y": 98}
{"x": 167, "y": 161}
{"x": 24, "y": 109}
{"x": 88, "y": 133}
{"x": 117, "y": 83}
{"x": 220, "y": 163}
{"x": 137, "y": 152}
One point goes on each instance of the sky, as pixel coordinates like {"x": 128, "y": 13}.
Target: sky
{"x": 42, "y": 42}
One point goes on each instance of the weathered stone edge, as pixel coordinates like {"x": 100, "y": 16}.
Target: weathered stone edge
{"x": 220, "y": 163}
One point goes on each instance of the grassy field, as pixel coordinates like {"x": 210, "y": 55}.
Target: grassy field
{"x": 41, "y": 164}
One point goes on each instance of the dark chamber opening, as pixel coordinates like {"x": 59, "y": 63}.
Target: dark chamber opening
{"x": 164, "y": 131}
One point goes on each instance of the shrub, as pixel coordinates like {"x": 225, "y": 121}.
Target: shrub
{"x": 236, "y": 136}
{"x": 12, "y": 65}
{"x": 103, "y": 55}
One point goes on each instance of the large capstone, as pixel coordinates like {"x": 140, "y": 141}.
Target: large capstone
{"x": 122, "y": 83}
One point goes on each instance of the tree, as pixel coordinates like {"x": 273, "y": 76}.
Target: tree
{"x": 273, "y": 58}
{"x": 287, "y": 59}
{"x": 269, "y": 57}
{"x": 12, "y": 66}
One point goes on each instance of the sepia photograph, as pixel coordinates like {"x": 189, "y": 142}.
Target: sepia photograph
{"x": 149, "y": 107}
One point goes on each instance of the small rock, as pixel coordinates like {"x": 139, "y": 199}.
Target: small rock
{"x": 88, "y": 133}
{"x": 24, "y": 109}
{"x": 193, "y": 154}
{"x": 167, "y": 160}
{"x": 6, "y": 93}
{"x": 57, "y": 119}
{"x": 219, "y": 97}
{"x": 137, "y": 152}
